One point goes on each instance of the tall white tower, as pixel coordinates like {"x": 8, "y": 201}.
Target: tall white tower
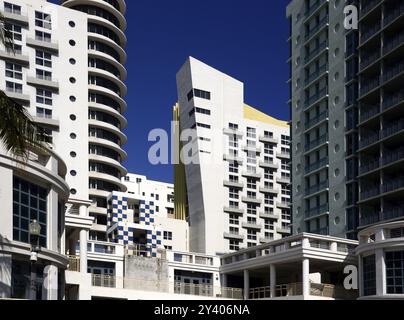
{"x": 106, "y": 76}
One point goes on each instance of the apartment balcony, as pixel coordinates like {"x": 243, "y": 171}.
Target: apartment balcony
{"x": 368, "y": 33}
{"x": 269, "y": 165}
{"x": 282, "y": 180}
{"x": 249, "y": 225}
{"x": 233, "y": 236}
{"x": 16, "y": 16}
{"x": 318, "y": 211}
{"x": 391, "y": 185}
{"x": 268, "y": 190}
{"x": 369, "y": 140}
{"x": 391, "y": 15}
{"x": 250, "y": 148}
{"x": 322, "y": 186}
{"x": 317, "y": 166}
{"x": 314, "y": 7}
{"x": 316, "y": 143}
{"x": 42, "y": 43}
{"x": 393, "y": 43}
{"x": 369, "y": 219}
{"x": 370, "y": 192}
{"x": 234, "y": 210}
{"x": 269, "y": 216}
{"x": 322, "y": 231}
{"x": 268, "y": 139}
{"x": 16, "y": 56}
{"x": 283, "y": 230}
{"x": 369, "y": 85}
{"x": 283, "y": 155}
{"x": 266, "y": 240}
{"x": 369, "y": 59}
{"x": 253, "y": 200}
{"x": 251, "y": 174}
{"x": 393, "y": 100}
{"x": 392, "y": 128}
{"x": 389, "y": 214}
{"x": 322, "y": 23}
{"x": 392, "y": 72}
{"x": 311, "y": 78}
{"x": 369, "y": 166}
{"x": 316, "y": 120}
{"x": 368, "y": 111}
{"x": 316, "y": 52}
{"x": 232, "y": 132}
{"x": 368, "y": 6}
{"x": 43, "y": 81}
{"x": 283, "y": 205}
{"x": 18, "y": 95}
{"x": 233, "y": 184}
{"x": 393, "y": 156}
{"x": 232, "y": 158}
{"x": 316, "y": 97}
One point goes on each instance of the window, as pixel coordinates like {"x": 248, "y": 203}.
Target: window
{"x": 199, "y": 94}
{"x": 13, "y": 71}
{"x": 233, "y": 193}
{"x": 269, "y": 225}
{"x": 29, "y": 203}
{"x": 12, "y": 8}
{"x": 233, "y": 219}
{"x": 252, "y": 209}
{"x": 285, "y": 140}
{"x": 43, "y": 74}
{"x": 233, "y": 167}
{"x": 43, "y": 20}
{"x": 42, "y": 36}
{"x": 203, "y": 125}
{"x": 157, "y": 197}
{"x": 369, "y": 275}
{"x": 268, "y": 174}
{"x": 251, "y": 133}
{"x": 233, "y": 179}
{"x": 168, "y": 235}
{"x": 14, "y": 31}
{"x": 157, "y": 209}
{"x": 202, "y": 111}
{"x": 285, "y": 165}
{"x": 234, "y": 230}
{"x": 251, "y": 195}
{"x": 251, "y": 184}
{"x": 43, "y": 113}
{"x": 13, "y": 87}
{"x": 268, "y": 134}
{"x": 233, "y": 141}
{"x": 269, "y": 200}
{"x": 395, "y": 272}
{"x": 268, "y": 149}
{"x": 44, "y": 97}
{"x": 233, "y": 126}
{"x": 43, "y": 59}
{"x": 234, "y": 245}
{"x": 285, "y": 215}
{"x": 251, "y": 235}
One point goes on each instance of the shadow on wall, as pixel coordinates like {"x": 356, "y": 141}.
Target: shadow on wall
{"x": 5, "y": 288}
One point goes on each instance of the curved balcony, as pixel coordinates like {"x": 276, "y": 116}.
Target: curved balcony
{"x": 109, "y": 93}
{"x": 108, "y": 178}
{"x": 109, "y": 144}
{"x": 109, "y": 127}
{"x": 110, "y": 26}
{"x": 111, "y": 43}
{"x": 109, "y": 76}
{"x": 108, "y": 58}
{"x": 99, "y": 193}
{"x": 111, "y": 162}
{"x": 110, "y": 111}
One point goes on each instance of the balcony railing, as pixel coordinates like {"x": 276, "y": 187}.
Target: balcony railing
{"x": 369, "y": 32}
{"x": 314, "y": 30}
{"x": 316, "y": 188}
{"x": 393, "y": 128}
{"x": 316, "y": 51}
{"x": 319, "y": 164}
{"x": 368, "y": 140}
{"x": 393, "y": 156}
{"x": 393, "y": 100}
{"x": 74, "y": 264}
{"x": 371, "y": 219}
{"x": 369, "y": 85}
{"x": 369, "y": 59}
{"x": 388, "y": 214}
{"x": 317, "y": 142}
{"x": 370, "y": 192}
{"x": 393, "y": 71}
{"x": 317, "y": 96}
{"x": 310, "y": 78}
{"x": 322, "y": 116}
{"x": 368, "y": 5}
{"x": 317, "y": 211}
{"x": 392, "y": 14}
{"x": 322, "y": 231}
{"x": 368, "y": 111}
{"x": 393, "y": 184}
{"x": 369, "y": 166}
{"x": 394, "y": 42}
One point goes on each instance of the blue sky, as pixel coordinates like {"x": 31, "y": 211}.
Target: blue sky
{"x": 245, "y": 39}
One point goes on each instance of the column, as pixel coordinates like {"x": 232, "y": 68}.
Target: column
{"x": 50, "y": 283}
{"x": 381, "y": 287}
{"x": 334, "y": 246}
{"x": 360, "y": 275}
{"x": 83, "y": 211}
{"x": 83, "y": 250}
{"x": 272, "y": 270}
{"x": 306, "y": 278}
{"x": 223, "y": 280}
{"x": 5, "y": 275}
{"x": 246, "y": 285}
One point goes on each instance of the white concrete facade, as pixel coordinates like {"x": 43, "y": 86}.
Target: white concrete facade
{"x": 238, "y": 195}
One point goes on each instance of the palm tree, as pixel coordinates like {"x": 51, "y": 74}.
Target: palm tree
{"x": 17, "y": 130}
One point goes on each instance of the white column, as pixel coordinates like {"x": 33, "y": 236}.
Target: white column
{"x": 381, "y": 287}
{"x": 246, "y": 285}
{"x": 223, "y": 280}
{"x": 272, "y": 270}
{"x": 50, "y": 283}
{"x": 5, "y": 275}
{"x": 83, "y": 250}
{"x": 306, "y": 278}
{"x": 83, "y": 211}
{"x": 334, "y": 246}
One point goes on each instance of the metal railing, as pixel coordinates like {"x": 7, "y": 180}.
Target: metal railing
{"x": 391, "y": 15}
{"x": 316, "y": 51}
{"x": 370, "y": 192}
{"x": 312, "y": 8}
{"x": 393, "y": 156}
{"x": 393, "y": 71}
{"x": 316, "y": 143}
{"x": 320, "y": 163}
{"x": 393, "y": 42}
{"x": 369, "y": 59}
{"x": 393, "y": 100}
{"x": 393, "y": 184}
{"x": 202, "y": 290}
{"x": 368, "y": 111}
{"x": 368, "y": 140}
{"x": 368, "y": 5}
{"x": 316, "y": 74}
{"x": 322, "y": 116}
{"x": 315, "y": 97}
{"x": 317, "y": 211}
{"x": 314, "y": 30}
{"x": 369, "y": 166}
{"x": 393, "y": 128}
{"x": 74, "y": 264}
{"x": 369, "y": 85}
{"x": 369, "y": 32}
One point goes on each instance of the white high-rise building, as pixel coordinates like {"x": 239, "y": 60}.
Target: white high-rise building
{"x": 238, "y": 195}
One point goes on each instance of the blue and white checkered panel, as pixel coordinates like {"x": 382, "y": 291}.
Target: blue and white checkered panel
{"x": 119, "y": 213}
{"x": 147, "y": 212}
{"x": 153, "y": 242}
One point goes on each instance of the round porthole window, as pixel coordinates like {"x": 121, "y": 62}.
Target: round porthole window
{"x": 72, "y": 43}
{"x": 73, "y": 173}
{"x": 73, "y": 191}
{"x": 72, "y": 24}
{"x": 72, "y": 98}
{"x": 73, "y": 136}
{"x": 73, "y": 117}
{"x": 73, "y": 154}
{"x": 72, "y": 61}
